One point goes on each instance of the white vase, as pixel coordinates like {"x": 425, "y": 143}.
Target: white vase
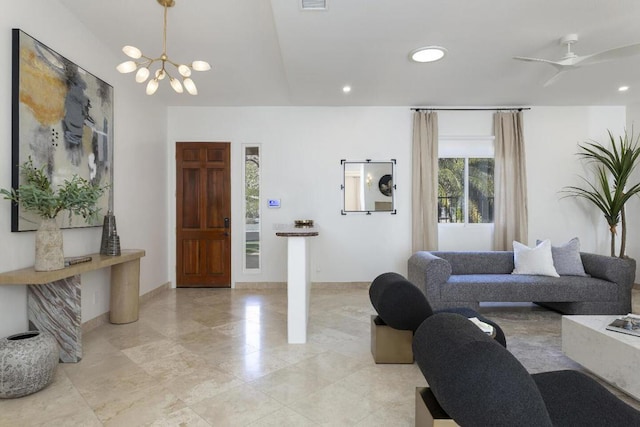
{"x": 49, "y": 253}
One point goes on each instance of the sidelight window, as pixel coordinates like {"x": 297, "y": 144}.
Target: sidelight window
{"x": 251, "y": 195}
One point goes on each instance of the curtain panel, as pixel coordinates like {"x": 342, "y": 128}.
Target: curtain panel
{"x": 510, "y": 180}
{"x": 424, "y": 190}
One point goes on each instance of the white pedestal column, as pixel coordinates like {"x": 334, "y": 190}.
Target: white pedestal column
{"x": 298, "y": 287}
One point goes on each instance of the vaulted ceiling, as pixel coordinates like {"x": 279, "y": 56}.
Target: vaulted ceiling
{"x": 271, "y": 52}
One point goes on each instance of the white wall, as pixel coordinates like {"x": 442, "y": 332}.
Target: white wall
{"x": 300, "y": 164}
{"x": 301, "y": 152}
{"x": 552, "y": 135}
{"x": 139, "y": 164}
{"x": 633, "y": 206}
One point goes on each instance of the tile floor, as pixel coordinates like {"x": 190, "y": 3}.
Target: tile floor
{"x": 200, "y": 357}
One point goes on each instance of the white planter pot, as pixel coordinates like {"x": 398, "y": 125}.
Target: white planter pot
{"x": 49, "y": 252}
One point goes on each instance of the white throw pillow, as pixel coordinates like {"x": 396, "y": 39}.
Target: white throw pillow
{"x": 538, "y": 260}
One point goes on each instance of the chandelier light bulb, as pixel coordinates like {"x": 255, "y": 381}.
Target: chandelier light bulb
{"x": 152, "y": 86}
{"x": 176, "y": 85}
{"x": 200, "y": 65}
{"x": 160, "y": 74}
{"x": 142, "y": 75}
{"x": 163, "y": 61}
{"x": 132, "y": 52}
{"x": 184, "y": 70}
{"x": 127, "y": 67}
{"x": 190, "y": 86}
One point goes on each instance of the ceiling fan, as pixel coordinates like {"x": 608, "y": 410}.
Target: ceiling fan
{"x": 571, "y": 61}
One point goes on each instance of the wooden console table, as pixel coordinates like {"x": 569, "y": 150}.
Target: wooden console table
{"x": 54, "y": 303}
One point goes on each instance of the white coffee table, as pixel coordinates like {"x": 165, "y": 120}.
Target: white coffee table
{"x": 613, "y": 356}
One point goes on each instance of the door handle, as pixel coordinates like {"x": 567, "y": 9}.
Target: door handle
{"x": 226, "y": 223}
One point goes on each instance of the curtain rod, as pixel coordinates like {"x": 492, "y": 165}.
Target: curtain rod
{"x": 471, "y": 109}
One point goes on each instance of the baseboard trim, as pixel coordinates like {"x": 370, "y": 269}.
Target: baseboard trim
{"x": 154, "y": 293}
{"x": 314, "y": 285}
{"x": 92, "y": 324}
{"x": 260, "y": 285}
{"x": 103, "y": 319}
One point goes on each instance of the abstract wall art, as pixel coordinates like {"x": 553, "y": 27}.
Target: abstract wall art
{"x": 62, "y": 117}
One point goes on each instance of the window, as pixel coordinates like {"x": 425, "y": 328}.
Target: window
{"x": 465, "y": 181}
{"x": 251, "y": 192}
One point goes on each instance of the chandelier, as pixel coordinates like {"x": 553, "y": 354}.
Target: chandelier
{"x": 161, "y": 73}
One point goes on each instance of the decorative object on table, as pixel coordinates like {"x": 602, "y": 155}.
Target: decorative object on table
{"x": 113, "y": 246}
{"x": 36, "y": 194}
{"x": 109, "y": 230}
{"x": 303, "y": 223}
{"x": 143, "y": 66}
{"x": 28, "y": 363}
{"x": 629, "y": 324}
{"x": 74, "y": 260}
{"x": 62, "y": 118}
{"x": 49, "y": 246}
{"x": 613, "y": 167}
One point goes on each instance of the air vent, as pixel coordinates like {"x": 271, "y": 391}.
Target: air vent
{"x": 314, "y": 4}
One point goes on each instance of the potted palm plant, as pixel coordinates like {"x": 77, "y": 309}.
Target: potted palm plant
{"x": 77, "y": 196}
{"x": 613, "y": 165}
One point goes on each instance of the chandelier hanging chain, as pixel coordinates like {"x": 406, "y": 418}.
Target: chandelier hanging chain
{"x": 164, "y": 32}
{"x": 142, "y": 67}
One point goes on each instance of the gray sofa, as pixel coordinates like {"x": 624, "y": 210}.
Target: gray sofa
{"x": 468, "y": 278}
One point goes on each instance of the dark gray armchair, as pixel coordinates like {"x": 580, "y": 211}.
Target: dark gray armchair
{"x": 479, "y": 383}
{"x": 403, "y": 306}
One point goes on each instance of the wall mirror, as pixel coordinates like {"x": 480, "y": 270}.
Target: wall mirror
{"x": 368, "y": 186}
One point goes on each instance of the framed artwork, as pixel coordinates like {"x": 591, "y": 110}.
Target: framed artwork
{"x": 62, "y": 117}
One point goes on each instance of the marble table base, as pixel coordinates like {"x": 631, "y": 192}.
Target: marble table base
{"x": 55, "y": 307}
{"x": 613, "y": 356}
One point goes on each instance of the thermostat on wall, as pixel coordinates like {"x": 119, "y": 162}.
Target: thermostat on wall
{"x": 273, "y": 203}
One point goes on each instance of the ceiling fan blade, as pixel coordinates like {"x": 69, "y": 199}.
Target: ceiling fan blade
{"x": 610, "y": 54}
{"x": 555, "y": 78}
{"x": 556, "y": 64}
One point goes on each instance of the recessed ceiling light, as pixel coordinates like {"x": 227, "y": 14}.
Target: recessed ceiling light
{"x": 623, "y": 88}
{"x": 346, "y": 89}
{"x": 428, "y": 54}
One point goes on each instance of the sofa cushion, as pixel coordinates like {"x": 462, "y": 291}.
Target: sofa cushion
{"x": 475, "y": 380}
{"x": 508, "y": 287}
{"x": 399, "y": 303}
{"x": 478, "y": 262}
{"x": 537, "y": 260}
{"x": 566, "y": 258}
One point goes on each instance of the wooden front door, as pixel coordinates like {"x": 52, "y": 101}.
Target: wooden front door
{"x": 203, "y": 200}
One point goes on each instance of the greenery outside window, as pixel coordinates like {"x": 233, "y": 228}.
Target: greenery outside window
{"x": 465, "y": 181}
{"x": 251, "y": 196}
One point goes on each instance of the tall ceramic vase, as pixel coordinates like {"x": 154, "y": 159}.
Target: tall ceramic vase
{"x": 49, "y": 253}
